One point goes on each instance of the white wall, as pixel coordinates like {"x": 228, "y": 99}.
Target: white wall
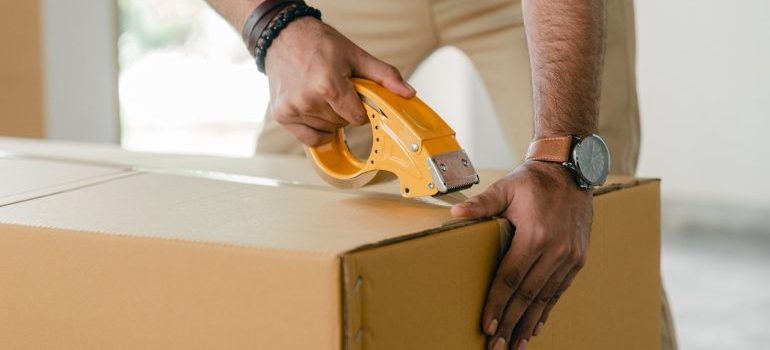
{"x": 704, "y": 86}
{"x": 80, "y": 70}
{"x": 704, "y": 71}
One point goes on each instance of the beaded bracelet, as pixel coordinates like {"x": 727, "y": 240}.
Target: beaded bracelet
{"x": 279, "y": 23}
{"x": 260, "y": 18}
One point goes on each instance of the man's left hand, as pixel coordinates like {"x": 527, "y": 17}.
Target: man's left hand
{"x": 552, "y": 217}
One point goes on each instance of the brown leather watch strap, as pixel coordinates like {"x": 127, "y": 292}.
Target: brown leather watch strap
{"x": 550, "y": 149}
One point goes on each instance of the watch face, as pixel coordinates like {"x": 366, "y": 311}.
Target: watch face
{"x": 592, "y": 159}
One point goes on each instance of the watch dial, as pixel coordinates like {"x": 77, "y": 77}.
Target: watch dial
{"x": 592, "y": 159}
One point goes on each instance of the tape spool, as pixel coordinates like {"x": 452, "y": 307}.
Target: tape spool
{"x": 349, "y": 183}
{"x": 337, "y": 158}
{"x": 368, "y": 178}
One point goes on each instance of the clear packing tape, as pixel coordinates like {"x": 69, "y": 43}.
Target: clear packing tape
{"x": 445, "y": 201}
{"x": 128, "y": 170}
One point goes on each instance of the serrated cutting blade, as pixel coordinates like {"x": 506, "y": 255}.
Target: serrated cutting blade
{"x": 452, "y": 172}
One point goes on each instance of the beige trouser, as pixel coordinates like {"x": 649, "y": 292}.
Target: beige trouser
{"x": 491, "y": 32}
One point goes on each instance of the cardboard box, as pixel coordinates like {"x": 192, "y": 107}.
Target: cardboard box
{"x": 157, "y": 258}
{"x": 21, "y": 69}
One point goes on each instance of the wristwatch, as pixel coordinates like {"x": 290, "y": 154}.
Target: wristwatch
{"x": 587, "y": 158}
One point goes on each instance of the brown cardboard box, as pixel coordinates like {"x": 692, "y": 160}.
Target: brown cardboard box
{"x": 21, "y": 69}
{"x": 161, "y": 257}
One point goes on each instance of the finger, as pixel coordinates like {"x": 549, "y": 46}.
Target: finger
{"x": 369, "y": 67}
{"x": 309, "y": 136}
{"x": 523, "y": 297}
{"x": 324, "y": 118}
{"x": 529, "y": 324}
{"x": 559, "y": 292}
{"x": 320, "y": 124}
{"x": 515, "y": 265}
{"x": 347, "y": 104}
{"x": 314, "y": 103}
{"x": 314, "y": 113}
{"x": 489, "y": 203}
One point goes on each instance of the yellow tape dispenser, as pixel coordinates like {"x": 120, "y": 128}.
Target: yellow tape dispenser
{"x": 408, "y": 139}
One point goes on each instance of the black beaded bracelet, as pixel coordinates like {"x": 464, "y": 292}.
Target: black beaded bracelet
{"x": 279, "y": 23}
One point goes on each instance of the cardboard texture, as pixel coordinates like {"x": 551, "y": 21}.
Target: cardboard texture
{"x": 25, "y": 178}
{"x": 153, "y": 259}
{"x": 21, "y": 75}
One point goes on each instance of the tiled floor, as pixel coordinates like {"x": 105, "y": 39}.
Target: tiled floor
{"x": 719, "y": 288}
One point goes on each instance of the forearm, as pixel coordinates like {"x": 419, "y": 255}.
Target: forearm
{"x": 235, "y": 11}
{"x": 566, "y": 49}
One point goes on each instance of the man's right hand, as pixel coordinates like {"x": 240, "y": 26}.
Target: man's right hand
{"x": 309, "y": 67}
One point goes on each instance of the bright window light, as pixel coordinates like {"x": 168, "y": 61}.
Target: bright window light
{"x": 187, "y": 84}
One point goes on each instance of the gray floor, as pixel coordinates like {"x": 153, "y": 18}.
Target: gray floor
{"x": 718, "y": 276}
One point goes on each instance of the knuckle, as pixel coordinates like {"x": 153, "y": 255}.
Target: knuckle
{"x": 282, "y": 112}
{"x": 327, "y": 90}
{"x": 526, "y": 326}
{"x": 540, "y": 235}
{"x": 484, "y": 198}
{"x": 498, "y": 187}
{"x": 391, "y": 70}
{"x": 544, "y": 299}
{"x": 312, "y": 139}
{"x": 563, "y": 252}
{"x": 526, "y": 296}
{"x": 539, "y": 240}
{"x": 316, "y": 140}
{"x": 511, "y": 279}
{"x": 303, "y": 105}
{"x": 578, "y": 258}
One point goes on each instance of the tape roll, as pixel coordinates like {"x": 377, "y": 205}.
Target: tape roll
{"x": 336, "y": 164}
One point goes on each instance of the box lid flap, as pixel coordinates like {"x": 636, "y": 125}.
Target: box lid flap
{"x": 22, "y": 179}
{"x": 245, "y": 209}
{"x": 186, "y": 208}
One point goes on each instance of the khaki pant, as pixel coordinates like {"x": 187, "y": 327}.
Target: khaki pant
{"x": 491, "y": 32}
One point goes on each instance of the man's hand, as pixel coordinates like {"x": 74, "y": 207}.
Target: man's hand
{"x": 552, "y": 219}
{"x": 551, "y": 215}
{"x": 309, "y": 67}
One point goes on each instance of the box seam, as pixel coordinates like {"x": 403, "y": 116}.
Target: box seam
{"x": 450, "y": 225}
{"x": 352, "y": 282}
{"x": 68, "y": 187}
{"x": 98, "y": 233}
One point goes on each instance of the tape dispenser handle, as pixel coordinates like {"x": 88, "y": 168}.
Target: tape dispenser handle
{"x": 335, "y": 162}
